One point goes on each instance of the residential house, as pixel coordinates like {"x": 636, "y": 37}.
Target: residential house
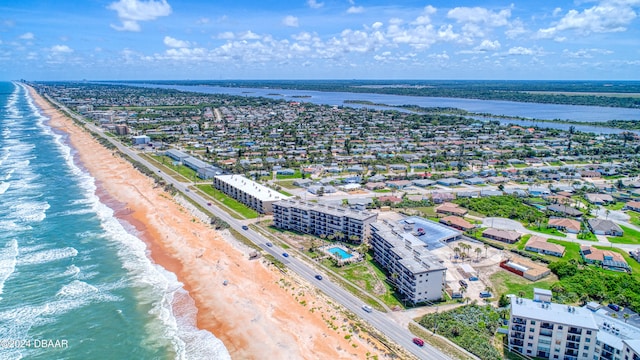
{"x": 633, "y": 205}
{"x": 564, "y": 210}
{"x": 398, "y": 184}
{"x": 604, "y": 227}
{"x": 451, "y": 209}
{"x": 449, "y": 182}
{"x": 474, "y": 181}
{"x": 564, "y": 224}
{"x": 540, "y": 245}
{"x": 607, "y": 259}
{"x": 457, "y": 222}
{"x": 508, "y": 236}
{"x": 599, "y": 199}
{"x": 439, "y": 198}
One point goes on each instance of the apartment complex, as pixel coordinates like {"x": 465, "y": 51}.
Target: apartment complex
{"x": 554, "y": 331}
{"x": 254, "y": 195}
{"x": 418, "y": 274}
{"x": 318, "y": 219}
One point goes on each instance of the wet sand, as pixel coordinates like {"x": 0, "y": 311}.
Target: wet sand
{"x": 261, "y": 313}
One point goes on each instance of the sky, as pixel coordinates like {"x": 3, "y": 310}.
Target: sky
{"x": 319, "y": 39}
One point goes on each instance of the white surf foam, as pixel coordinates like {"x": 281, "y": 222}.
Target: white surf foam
{"x": 8, "y": 256}
{"x": 4, "y": 186}
{"x": 155, "y": 285}
{"x": 45, "y": 256}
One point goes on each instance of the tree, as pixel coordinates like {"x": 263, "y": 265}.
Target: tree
{"x": 486, "y": 248}
{"x": 478, "y": 252}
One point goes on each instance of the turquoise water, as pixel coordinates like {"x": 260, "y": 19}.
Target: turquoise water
{"x": 338, "y": 251}
{"x": 70, "y": 273}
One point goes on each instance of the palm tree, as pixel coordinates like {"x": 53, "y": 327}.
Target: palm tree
{"x": 456, "y": 250}
{"x": 486, "y": 248}
{"x": 626, "y": 317}
{"x": 478, "y": 252}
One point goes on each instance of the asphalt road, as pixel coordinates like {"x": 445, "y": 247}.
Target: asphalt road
{"x": 379, "y": 320}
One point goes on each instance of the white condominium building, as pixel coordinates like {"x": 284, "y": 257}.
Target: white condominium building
{"x": 418, "y": 274}
{"x": 318, "y": 219}
{"x": 254, "y": 195}
{"x": 555, "y": 331}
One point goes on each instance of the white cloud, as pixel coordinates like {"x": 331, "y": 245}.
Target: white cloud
{"x": 488, "y": 45}
{"x": 290, "y": 21}
{"x": 60, "y": 49}
{"x": 227, "y": 35}
{"x": 248, "y": 35}
{"x": 130, "y": 12}
{"x": 314, "y": 4}
{"x": 585, "y": 53}
{"x": 203, "y": 20}
{"x": 607, "y": 16}
{"x": 519, "y": 50}
{"x": 175, "y": 43}
{"x": 355, "y": 10}
{"x": 377, "y": 25}
{"x": 516, "y": 28}
{"x": 479, "y": 15}
{"x": 27, "y": 36}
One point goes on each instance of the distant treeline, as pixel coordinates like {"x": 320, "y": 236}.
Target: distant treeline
{"x": 520, "y": 91}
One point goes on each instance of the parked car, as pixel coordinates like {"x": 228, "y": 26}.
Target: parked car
{"x": 418, "y": 341}
{"x": 285, "y": 254}
{"x": 367, "y": 308}
{"x": 319, "y": 277}
{"x": 463, "y": 283}
{"x": 614, "y": 307}
{"x": 245, "y": 227}
{"x": 485, "y": 294}
{"x": 473, "y": 278}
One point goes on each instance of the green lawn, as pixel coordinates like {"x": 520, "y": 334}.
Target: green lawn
{"x": 630, "y": 236}
{"x": 634, "y": 217}
{"x": 505, "y": 282}
{"x": 572, "y": 250}
{"x": 589, "y": 236}
{"x": 556, "y": 163}
{"x": 615, "y": 206}
{"x": 382, "y": 190}
{"x": 287, "y": 184}
{"x": 545, "y": 230}
{"x": 229, "y": 202}
{"x": 520, "y": 166}
{"x": 296, "y": 175}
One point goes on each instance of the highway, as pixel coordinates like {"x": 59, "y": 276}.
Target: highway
{"x": 379, "y": 320}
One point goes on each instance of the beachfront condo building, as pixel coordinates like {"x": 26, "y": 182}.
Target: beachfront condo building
{"x": 547, "y": 330}
{"x": 417, "y": 273}
{"x": 318, "y": 219}
{"x": 256, "y": 196}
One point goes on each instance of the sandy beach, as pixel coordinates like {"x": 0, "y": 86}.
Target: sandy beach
{"x": 261, "y": 313}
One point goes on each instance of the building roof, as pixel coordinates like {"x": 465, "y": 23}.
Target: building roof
{"x": 451, "y": 208}
{"x": 604, "y": 225}
{"x": 510, "y": 235}
{"x": 595, "y": 254}
{"x": 633, "y": 204}
{"x": 251, "y": 187}
{"x": 326, "y": 209}
{"x": 565, "y": 223}
{"x": 554, "y": 313}
{"x": 541, "y": 243}
{"x": 564, "y": 209}
{"x": 457, "y": 221}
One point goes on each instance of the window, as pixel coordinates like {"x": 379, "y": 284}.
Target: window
{"x": 530, "y": 329}
{"x": 533, "y": 322}
{"x": 586, "y": 347}
{"x": 588, "y": 332}
{"x": 588, "y": 340}
{"x": 559, "y": 327}
{"x": 530, "y": 337}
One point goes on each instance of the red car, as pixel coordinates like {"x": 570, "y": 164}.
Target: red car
{"x": 418, "y": 341}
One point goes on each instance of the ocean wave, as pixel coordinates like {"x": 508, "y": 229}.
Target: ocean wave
{"x": 8, "y": 256}
{"x": 154, "y": 285}
{"x": 4, "y": 186}
{"x": 46, "y": 256}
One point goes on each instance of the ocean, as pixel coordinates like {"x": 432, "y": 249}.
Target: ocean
{"x": 76, "y": 283}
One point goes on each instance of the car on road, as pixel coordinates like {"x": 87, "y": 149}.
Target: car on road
{"x": 209, "y": 204}
{"x": 463, "y": 283}
{"x": 418, "y": 341}
{"x": 614, "y": 307}
{"x": 473, "y": 278}
{"x": 319, "y": 277}
{"x": 187, "y": 190}
{"x": 285, "y": 254}
{"x": 367, "y": 308}
{"x": 245, "y": 227}
{"x": 269, "y": 244}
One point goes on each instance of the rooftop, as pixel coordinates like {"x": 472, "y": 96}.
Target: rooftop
{"x": 252, "y": 188}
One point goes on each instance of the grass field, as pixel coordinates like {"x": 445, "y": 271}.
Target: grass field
{"x": 545, "y": 230}
{"x": 631, "y": 236}
{"x": 505, "y": 282}
{"x": 230, "y": 203}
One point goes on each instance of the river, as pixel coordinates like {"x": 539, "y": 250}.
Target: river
{"x": 531, "y": 111}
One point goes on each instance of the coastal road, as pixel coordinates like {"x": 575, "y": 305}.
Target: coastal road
{"x": 380, "y": 321}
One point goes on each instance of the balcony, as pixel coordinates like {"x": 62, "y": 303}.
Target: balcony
{"x": 571, "y": 352}
{"x": 517, "y": 335}
{"x": 546, "y": 326}
{"x": 573, "y": 338}
{"x": 519, "y": 321}
{"x": 548, "y": 333}
{"x": 517, "y": 342}
{"x": 519, "y": 328}
{"x": 573, "y": 330}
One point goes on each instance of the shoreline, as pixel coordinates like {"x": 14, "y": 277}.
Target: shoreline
{"x": 261, "y": 313}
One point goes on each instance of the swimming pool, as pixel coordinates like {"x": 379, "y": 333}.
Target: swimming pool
{"x": 338, "y": 251}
